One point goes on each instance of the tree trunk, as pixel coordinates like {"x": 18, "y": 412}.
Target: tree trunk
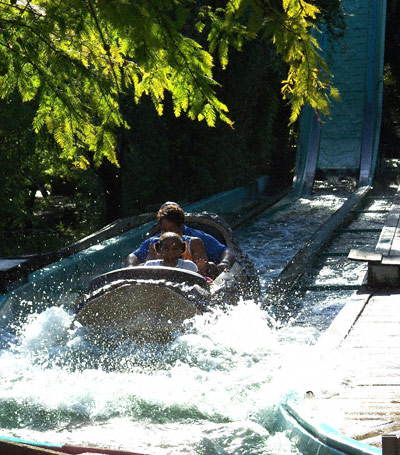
{"x": 110, "y": 177}
{"x": 111, "y": 180}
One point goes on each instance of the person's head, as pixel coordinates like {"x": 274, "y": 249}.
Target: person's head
{"x": 171, "y": 218}
{"x": 169, "y": 203}
{"x": 170, "y": 246}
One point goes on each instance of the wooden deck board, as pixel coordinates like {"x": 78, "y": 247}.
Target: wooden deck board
{"x": 364, "y": 402}
{"x": 389, "y": 239}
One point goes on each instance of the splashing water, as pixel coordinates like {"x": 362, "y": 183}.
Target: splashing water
{"x": 214, "y": 390}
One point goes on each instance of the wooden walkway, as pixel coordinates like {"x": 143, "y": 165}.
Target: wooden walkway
{"x": 360, "y": 361}
{"x": 358, "y": 358}
{"x": 384, "y": 262}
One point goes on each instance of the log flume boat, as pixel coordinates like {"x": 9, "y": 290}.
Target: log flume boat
{"x": 152, "y": 303}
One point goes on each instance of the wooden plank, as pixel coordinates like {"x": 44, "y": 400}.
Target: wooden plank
{"x": 385, "y": 240}
{"x": 343, "y": 323}
{"x": 375, "y": 345}
{"x": 389, "y": 240}
{"x": 361, "y": 397}
{"x": 363, "y": 255}
{"x": 391, "y": 260}
{"x": 395, "y": 249}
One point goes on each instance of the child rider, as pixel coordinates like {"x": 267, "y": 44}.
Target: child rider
{"x": 171, "y": 246}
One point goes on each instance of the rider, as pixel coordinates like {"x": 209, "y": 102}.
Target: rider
{"x": 220, "y": 257}
{"x": 171, "y": 247}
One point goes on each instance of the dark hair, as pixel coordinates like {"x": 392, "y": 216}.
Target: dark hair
{"x": 169, "y": 203}
{"x": 168, "y": 236}
{"x": 171, "y": 213}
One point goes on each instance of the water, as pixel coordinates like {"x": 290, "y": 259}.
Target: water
{"x": 214, "y": 390}
{"x": 272, "y": 242}
{"x": 207, "y": 392}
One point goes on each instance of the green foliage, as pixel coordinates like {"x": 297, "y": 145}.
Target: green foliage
{"x": 291, "y": 28}
{"x": 84, "y": 70}
{"x": 78, "y": 57}
{"x": 17, "y": 170}
{"x": 177, "y": 159}
{"x": 29, "y": 163}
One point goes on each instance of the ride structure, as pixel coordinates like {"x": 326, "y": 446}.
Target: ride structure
{"x": 347, "y": 143}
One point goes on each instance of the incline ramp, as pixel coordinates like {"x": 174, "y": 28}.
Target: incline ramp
{"x": 347, "y": 144}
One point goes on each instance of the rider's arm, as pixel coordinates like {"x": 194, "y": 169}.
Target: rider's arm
{"x": 139, "y": 255}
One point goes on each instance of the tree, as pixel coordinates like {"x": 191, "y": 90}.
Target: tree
{"x": 30, "y": 163}
{"x": 390, "y": 131}
{"x": 77, "y": 58}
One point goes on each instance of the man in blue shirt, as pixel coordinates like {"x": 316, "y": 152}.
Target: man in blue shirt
{"x": 217, "y": 252}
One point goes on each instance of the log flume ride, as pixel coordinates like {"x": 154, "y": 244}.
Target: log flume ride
{"x": 152, "y": 303}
